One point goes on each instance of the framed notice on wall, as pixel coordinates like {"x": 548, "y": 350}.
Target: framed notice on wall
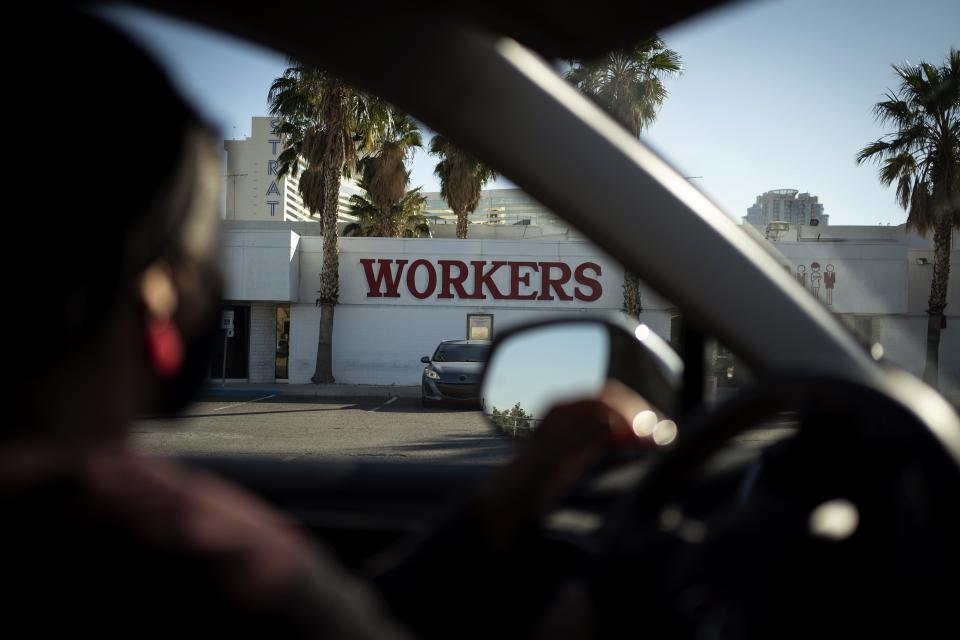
{"x": 479, "y": 326}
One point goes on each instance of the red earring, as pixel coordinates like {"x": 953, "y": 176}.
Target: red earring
{"x": 165, "y": 347}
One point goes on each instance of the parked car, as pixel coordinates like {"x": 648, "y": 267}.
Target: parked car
{"x": 453, "y": 372}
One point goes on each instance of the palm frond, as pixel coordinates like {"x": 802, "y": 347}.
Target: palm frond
{"x": 323, "y": 120}
{"x": 629, "y": 83}
{"x": 921, "y": 155}
{"x": 462, "y": 177}
{"x": 920, "y": 216}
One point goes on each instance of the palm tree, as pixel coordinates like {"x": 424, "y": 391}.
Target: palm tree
{"x": 325, "y": 124}
{"x": 462, "y": 178}
{"x": 922, "y": 156}
{"x": 628, "y": 84}
{"x": 405, "y": 220}
{"x": 385, "y": 173}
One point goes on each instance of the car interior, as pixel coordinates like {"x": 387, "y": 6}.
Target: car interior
{"x": 848, "y": 524}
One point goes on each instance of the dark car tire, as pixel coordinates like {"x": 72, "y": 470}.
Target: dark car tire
{"x": 425, "y": 402}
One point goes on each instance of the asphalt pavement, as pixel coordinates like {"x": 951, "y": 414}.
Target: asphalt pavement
{"x": 378, "y": 426}
{"x": 289, "y": 427}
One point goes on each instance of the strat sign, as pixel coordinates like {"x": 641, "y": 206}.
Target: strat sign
{"x": 482, "y": 279}
{"x": 272, "y": 169}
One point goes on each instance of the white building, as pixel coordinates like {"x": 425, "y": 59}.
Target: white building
{"x": 253, "y": 190}
{"x": 497, "y": 207}
{"x": 399, "y": 298}
{"x": 786, "y": 205}
{"x": 876, "y": 279}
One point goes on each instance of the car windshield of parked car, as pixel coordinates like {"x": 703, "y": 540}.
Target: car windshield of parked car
{"x": 461, "y": 353}
{"x": 813, "y": 124}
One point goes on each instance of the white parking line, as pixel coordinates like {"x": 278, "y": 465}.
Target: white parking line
{"x": 246, "y": 402}
{"x": 390, "y": 401}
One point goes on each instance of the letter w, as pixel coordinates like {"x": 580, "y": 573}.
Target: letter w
{"x": 384, "y": 274}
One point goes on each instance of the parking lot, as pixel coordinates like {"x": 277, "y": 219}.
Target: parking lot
{"x": 291, "y": 428}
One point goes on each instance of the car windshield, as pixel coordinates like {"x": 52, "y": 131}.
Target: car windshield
{"x": 786, "y": 114}
{"x": 827, "y": 169}
{"x": 461, "y": 353}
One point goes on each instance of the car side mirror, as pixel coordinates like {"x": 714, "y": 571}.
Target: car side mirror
{"x": 532, "y": 368}
{"x": 425, "y": 359}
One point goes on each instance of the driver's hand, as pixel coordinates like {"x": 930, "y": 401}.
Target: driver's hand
{"x": 416, "y": 580}
{"x": 569, "y": 440}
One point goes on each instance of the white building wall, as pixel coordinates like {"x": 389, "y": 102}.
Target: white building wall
{"x": 353, "y": 285}
{"x": 921, "y": 277}
{"x": 262, "y": 342}
{"x": 878, "y": 278}
{"x": 259, "y": 265}
{"x": 379, "y": 340}
{"x": 868, "y": 278}
{"x": 373, "y": 347}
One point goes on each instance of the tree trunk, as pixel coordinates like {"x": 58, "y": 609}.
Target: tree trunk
{"x": 395, "y": 228}
{"x": 329, "y": 292}
{"x": 384, "y": 223}
{"x": 462, "y": 224}
{"x": 938, "y": 299}
{"x": 323, "y": 374}
{"x": 632, "y": 305}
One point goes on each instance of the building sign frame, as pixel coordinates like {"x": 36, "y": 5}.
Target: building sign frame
{"x": 479, "y": 326}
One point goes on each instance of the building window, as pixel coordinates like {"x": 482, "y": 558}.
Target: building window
{"x": 479, "y": 326}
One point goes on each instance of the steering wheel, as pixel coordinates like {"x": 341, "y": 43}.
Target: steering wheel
{"x": 855, "y": 527}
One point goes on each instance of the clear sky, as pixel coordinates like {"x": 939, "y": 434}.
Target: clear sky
{"x": 538, "y": 369}
{"x": 775, "y": 93}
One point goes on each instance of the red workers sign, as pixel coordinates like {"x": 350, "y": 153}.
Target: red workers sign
{"x": 474, "y": 280}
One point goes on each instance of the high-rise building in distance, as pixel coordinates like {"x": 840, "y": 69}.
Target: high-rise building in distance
{"x": 786, "y": 205}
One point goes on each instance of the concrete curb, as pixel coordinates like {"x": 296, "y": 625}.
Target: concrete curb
{"x": 216, "y": 392}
